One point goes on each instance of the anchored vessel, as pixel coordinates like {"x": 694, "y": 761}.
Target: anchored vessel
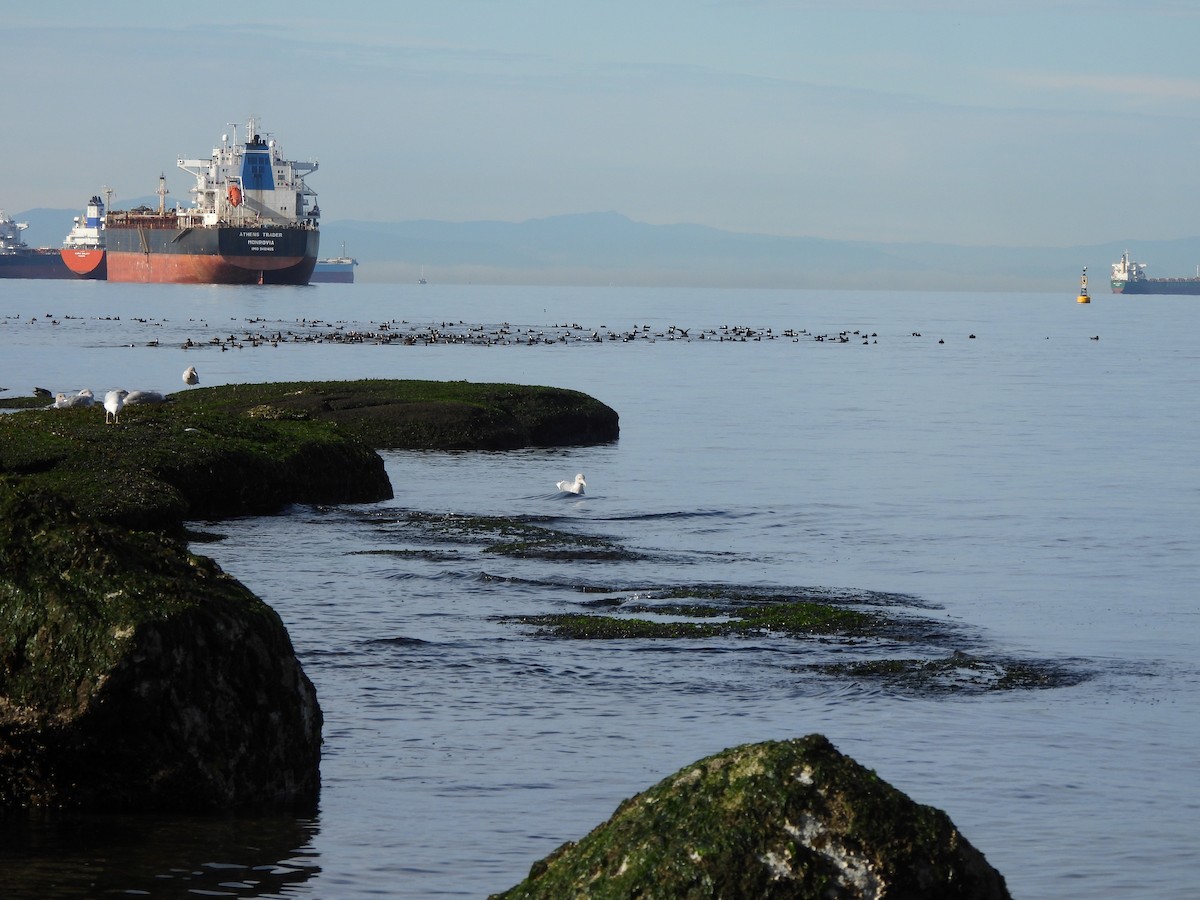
{"x": 19, "y": 260}
{"x": 83, "y": 248}
{"x": 1130, "y": 278}
{"x": 335, "y": 269}
{"x": 253, "y": 220}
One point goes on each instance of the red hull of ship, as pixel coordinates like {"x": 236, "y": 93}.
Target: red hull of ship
{"x": 179, "y": 268}
{"x": 85, "y": 263}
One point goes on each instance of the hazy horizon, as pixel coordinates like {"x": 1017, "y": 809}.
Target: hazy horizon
{"x": 1058, "y": 123}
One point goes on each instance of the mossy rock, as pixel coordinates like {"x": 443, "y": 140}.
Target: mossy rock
{"x": 782, "y": 819}
{"x": 165, "y": 463}
{"x": 426, "y": 415}
{"x": 134, "y": 675}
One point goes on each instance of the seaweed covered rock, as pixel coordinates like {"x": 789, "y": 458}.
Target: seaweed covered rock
{"x": 782, "y": 819}
{"x": 134, "y": 675}
{"x": 426, "y": 415}
{"x": 165, "y": 463}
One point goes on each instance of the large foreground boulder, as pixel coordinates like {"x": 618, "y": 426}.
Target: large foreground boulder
{"x": 789, "y": 819}
{"x": 136, "y": 676}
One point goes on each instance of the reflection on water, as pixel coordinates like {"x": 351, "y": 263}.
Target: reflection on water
{"x": 53, "y": 854}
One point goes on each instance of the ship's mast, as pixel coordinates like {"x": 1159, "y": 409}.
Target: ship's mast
{"x": 162, "y": 194}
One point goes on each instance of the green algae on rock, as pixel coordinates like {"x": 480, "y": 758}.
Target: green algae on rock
{"x": 134, "y": 675}
{"x": 426, "y": 415}
{"x": 782, "y": 819}
{"x": 801, "y": 618}
{"x": 823, "y": 618}
{"x": 165, "y": 463}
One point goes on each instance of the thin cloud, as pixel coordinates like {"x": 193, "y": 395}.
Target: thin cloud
{"x": 1139, "y": 87}
{"x": 973, "y": 8}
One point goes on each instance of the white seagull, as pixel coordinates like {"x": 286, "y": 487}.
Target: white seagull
{"x": 113, "y": 401}
{"x": 70, "y": 401}
{"x": 573, "y": 487}
{"x": 190, "y": 376}
{"x": 135, "y": 397}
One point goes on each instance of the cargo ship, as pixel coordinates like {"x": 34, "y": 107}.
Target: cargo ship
{"x": 83, "y": 248}
{"x": 1130, "y": 278}
{"x": 253, "y": 220}
{"x": 335, "y": 269}
{"x": 19, "y": 260}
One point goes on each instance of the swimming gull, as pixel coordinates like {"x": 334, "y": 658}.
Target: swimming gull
{"x": 190, "y": 376}
{"x": 113, "y": 401}
{"x": 573, "y": 487}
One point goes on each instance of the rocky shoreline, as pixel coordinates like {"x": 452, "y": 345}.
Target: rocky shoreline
{"x": 135, "y": 675}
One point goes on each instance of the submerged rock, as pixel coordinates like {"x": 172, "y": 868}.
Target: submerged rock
{"x": 134, "y": 675}
{"x": 787, "y": 819}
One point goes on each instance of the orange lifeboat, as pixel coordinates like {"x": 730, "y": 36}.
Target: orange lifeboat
{"x": 235, "y": 195}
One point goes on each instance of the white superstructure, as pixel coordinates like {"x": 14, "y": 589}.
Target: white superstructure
{"x": 250, "y": 182}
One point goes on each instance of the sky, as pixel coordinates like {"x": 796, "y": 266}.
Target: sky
{"x": 971, "y": 122}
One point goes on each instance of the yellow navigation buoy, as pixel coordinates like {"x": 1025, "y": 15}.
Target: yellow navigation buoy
{"x": 1083, "y": 294}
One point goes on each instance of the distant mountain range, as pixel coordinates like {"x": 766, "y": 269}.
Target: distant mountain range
{"x": 609, "y": 248}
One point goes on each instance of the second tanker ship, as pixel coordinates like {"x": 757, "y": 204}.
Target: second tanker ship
{"x": 1130, "y": 277}
{"x": 250, "y": 222}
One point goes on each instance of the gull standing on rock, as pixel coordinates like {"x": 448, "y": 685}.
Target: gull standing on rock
{"x": 113, "y": 401}
{"x": 573, "y": 487}
{"x": 190, "y": 376}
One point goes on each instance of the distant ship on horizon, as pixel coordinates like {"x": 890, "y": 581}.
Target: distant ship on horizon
{"x": 1130, "y": 277}
{"x": 83, "y": 250}
{"x": 335, "y": 269}
{"x": 19, "y": 260}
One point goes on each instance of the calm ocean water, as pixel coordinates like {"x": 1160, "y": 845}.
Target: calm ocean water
{"x": 1033, "y": 488}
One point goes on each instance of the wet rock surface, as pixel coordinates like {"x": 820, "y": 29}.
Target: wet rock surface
{"x": 134, "y": 675}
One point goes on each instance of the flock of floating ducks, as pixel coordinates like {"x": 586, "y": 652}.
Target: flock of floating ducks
{"x": 259, "y": 332}
{"x": 311, "y": 331}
